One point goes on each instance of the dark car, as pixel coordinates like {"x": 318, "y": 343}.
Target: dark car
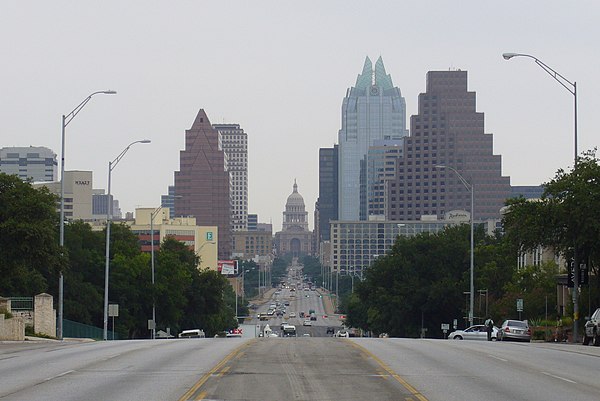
{"x": 514, "y": 330}
{"x": 330, "y": 330}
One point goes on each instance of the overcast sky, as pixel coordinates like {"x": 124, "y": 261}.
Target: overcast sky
{"x": 280, "y": 69}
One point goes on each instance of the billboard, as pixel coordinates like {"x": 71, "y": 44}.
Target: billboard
{"x": 227, "y": 267}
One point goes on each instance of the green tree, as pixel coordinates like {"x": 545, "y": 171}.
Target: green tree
{"x": 566, "y": 218}
{"x": 30, "y": 258}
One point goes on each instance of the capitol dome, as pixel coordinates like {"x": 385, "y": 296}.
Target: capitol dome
{"x": 295, "y": 199}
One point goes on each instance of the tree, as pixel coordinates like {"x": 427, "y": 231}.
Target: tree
{"x": 421, "y": 281}
{"x": 566, "y": 218}
{"x": 30, "y": 257}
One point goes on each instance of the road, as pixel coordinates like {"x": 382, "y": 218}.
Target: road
{"x": 301, "y": 368}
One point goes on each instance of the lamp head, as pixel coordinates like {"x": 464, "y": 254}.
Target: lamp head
{"x": 145, "y": 141}
{"x": 110, "y": 92}
{"x": 439, "y": 166}
{"x": 508, "y": 56}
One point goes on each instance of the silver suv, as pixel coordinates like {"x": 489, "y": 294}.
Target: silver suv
{"x": 592, "y": 329}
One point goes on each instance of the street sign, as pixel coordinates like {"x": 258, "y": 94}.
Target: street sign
{"x": 520, "y": 305}
{"x": 151, "y": 325}
{"x": 113, "y": 310}
{"x": 209, "y": 235}
{"x": 445, "y": 327}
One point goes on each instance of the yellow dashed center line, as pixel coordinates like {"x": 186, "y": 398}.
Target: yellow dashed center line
{"x": 389, "y": 370}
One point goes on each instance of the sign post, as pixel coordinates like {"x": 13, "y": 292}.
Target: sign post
{"x": 113, "y": 311}
{"x": 445, "y": 328}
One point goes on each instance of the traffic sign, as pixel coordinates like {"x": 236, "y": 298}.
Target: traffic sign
{"x": 520, "y": 305}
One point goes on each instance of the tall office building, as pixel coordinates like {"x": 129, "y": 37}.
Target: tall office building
{"x": 234, "y": 142}
{"x": 373, "y": 109}
{"x": 447, "y": 131}
{"x": 202, "y": 182}
{"x": 32, "y": 162}
{"x": 326, "y": 209}
{"x": 381, "y": 168}
{"x": 168, "y": 200}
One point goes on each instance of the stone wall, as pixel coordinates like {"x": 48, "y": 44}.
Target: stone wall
{"x": 12, "y": 329}
{"x": 44, "y": 316}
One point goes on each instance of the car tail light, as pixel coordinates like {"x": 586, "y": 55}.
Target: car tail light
{"x": 507, "y": 329}
{"x": 529, "y": 331}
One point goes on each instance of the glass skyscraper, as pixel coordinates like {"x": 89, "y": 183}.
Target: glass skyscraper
{"x": 372, "y": 110}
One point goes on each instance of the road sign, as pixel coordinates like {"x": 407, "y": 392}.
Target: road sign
{"x": 209, "y": 235}
{"x": 113, "y": 310}
{"x": 445, "y": 327}
{"x": 520, "y": 305}
{"x": 151, "y": 325}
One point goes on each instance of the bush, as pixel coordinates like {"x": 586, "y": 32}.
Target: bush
{"x": 6, "y": 313}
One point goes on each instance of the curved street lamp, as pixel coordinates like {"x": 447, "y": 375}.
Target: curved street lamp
{"x": 66, "y": 119}
{"x": 111, "y": 166}
{"x": 471, "y": 283}
{"x": 572, "y": 88}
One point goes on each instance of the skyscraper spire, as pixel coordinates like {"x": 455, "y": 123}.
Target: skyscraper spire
{"x": 365, "y": 79}
{"x": 383, "y": 80}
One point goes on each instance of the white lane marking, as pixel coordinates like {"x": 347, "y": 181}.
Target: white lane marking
{"x": 558, "y": 377}
{"x": 498, "y": 358}
{"x": 59, "y": 375}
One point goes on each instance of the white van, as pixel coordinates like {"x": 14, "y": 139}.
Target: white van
{"x": 194, "y": 333}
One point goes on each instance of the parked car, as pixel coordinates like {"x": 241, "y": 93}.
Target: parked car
{"x": 591, "y": 331}
{"x": 476, "y": 332}
{"x": 514, "y": 330}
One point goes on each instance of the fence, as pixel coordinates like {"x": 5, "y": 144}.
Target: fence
{"x": 18, "y": 304}
{"x": 79, "y": 330}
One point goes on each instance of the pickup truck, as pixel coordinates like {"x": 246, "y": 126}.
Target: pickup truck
{"x": 591, "y": 331}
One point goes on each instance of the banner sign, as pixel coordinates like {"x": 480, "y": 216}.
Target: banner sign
{"x": 227, "y": 267}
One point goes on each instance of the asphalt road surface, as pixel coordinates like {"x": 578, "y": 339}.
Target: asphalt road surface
{"x": 299, "y": 369}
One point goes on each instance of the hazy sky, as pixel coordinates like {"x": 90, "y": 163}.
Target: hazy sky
{"x": 281, "y": 69}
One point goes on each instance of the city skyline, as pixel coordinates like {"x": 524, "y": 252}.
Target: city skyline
{"x": 283, "y": 80}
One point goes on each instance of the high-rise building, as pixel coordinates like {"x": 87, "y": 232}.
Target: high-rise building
{"x": 168, "y": 200}
{"x": 326, "y": 209}
{"x": 234, "y": 142}
{"x": 78, "y": 194}
{"x": 447, "y": 131}
{"x": 252, "y": 221}
{"x": 100, "y": 202}
{"x": 32, "y": 162}
{"x": 373, "y": 109}
{"x": 202, "y": 182}
{"x": 381, "y": 168}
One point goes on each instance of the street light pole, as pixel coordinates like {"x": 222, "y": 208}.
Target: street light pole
{"x": 470, "y": 188}
{"x": 111, "y": 166}
{"x": 65, "y": 121}
{"x": 572, "y": 88}
{"x": 152, "y": 216}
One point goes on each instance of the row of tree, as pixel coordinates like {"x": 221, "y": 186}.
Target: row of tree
{"x": 31, "y": 260}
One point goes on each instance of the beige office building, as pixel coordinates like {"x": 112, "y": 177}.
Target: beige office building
{"x": 78, "y": 194}
{"x": 202, "y": 239}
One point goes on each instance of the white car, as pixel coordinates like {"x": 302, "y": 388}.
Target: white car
{"x": 307, "y": 323}
{"x": 342, "y": 333}
{"x": 292, "y": 314}
{"x": 476, "y": 332}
